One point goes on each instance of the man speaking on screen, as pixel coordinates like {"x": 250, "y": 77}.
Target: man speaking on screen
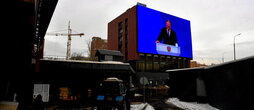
{"x": 167, "y": 35}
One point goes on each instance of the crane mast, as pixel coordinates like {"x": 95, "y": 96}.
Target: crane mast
{"x": 69, "y": 34}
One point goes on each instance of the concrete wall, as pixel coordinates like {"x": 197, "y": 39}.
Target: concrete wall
{"x": 183, "y": 85}
{"x": 229, "y": 86}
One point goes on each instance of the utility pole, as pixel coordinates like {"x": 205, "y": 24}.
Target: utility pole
{"x": 223, "y": 57}
{"x": 234, "y": 45}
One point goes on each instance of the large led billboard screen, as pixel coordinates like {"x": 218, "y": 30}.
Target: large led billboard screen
{"x": 161, "y": 33}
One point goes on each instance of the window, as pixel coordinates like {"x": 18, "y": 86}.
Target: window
{"x": 120, "y": 36}
{"x": 108, "y": 58}
{"x": 126, "y": 39}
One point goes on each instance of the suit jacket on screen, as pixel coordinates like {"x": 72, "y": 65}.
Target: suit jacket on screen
{"x": 171, "y": 40}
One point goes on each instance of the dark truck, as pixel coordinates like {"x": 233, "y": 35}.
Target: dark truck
{"x": 112, "y": 95}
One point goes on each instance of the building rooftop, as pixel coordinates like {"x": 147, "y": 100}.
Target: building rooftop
{"x": 108, "y": 52}
{"x": 84, "y": 66}
{"x": 213, "y": 66}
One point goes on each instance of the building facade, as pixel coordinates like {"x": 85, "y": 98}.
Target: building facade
{"x": 194, "y": 64}
{"x": 123, "y": 35}
{"x": 97, "y": 43}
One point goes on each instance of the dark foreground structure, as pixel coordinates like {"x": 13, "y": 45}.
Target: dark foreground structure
{"x": 74, "y": 83}
{"x": 225, "y": 86}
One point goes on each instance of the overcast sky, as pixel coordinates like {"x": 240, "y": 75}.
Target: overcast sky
{"x": 213, "y": 24}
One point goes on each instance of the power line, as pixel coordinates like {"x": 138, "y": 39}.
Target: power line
{"x": 58, "y": 30}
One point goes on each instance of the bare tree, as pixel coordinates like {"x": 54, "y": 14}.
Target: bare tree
{"x": 77, "y": 56}
{"x": 89, "y": 50}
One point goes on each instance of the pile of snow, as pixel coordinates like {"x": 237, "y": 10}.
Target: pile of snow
{"x": 141, "y": 106}
{"x": 190, "y": 105}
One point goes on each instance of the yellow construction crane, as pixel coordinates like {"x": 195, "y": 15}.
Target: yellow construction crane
{"x": 69, "y": 34}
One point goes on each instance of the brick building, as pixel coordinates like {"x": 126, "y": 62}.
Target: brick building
{"x": 97, "y": 43}
{"x": 196, "y": 64}
{"x": 123, "y": 35}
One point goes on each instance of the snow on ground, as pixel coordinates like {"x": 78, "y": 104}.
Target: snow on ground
{"x": 190, "y": 105}
{"x": 141, "y": 106}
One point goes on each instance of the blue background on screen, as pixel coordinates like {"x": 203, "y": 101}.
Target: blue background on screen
{"x": 150, "y": 23}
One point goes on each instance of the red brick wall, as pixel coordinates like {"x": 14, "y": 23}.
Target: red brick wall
{"x": 97, "y": 43}
{"x": 131, "y": 15}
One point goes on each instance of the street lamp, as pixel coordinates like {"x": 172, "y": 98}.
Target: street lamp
{"x": 223, "y": 57}
{"x": 234, "y": 44}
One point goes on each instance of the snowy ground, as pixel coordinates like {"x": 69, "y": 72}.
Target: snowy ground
{"x": 169, "y": 104}
{"x": 141, "y": 106}
{"x": 190, "y": 105}
{"x": 176, "y": 102}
